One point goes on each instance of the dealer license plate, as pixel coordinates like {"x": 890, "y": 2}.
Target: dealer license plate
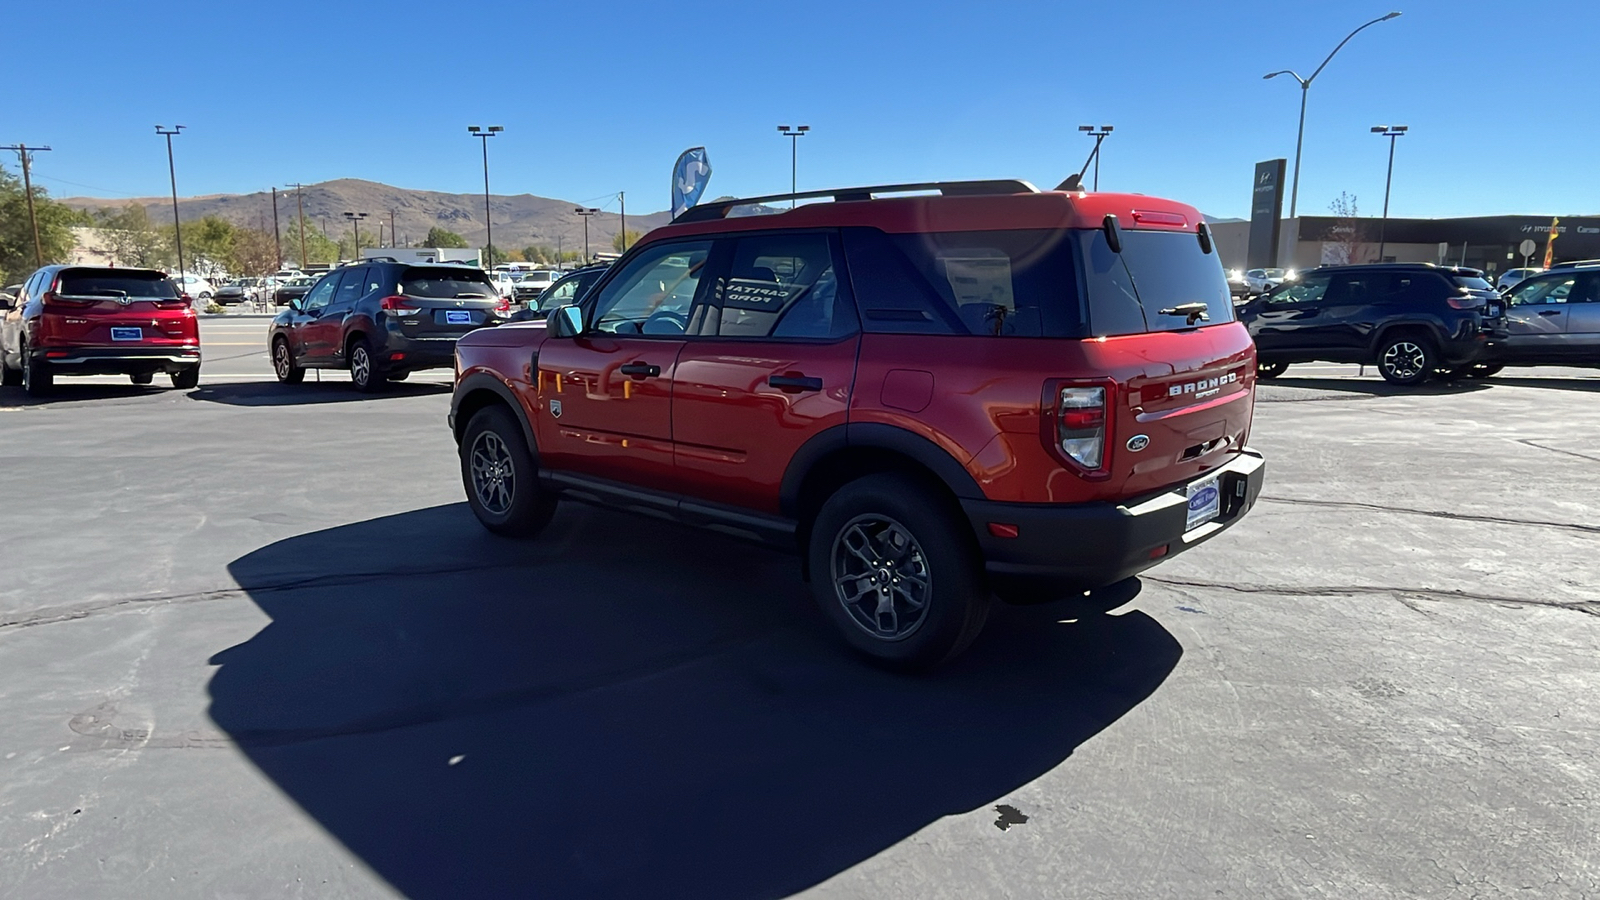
{"x": 1205, "y": 502}
{"x": 127, "y": 334}
{"x": 457, "y": 317}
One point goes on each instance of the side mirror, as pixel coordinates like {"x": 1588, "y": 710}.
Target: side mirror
{"x": 565, "y": 322}
{"x": 297, "y": 304}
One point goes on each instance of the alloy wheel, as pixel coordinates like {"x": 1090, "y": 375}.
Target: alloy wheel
{"x": 881, "y": 576}
{"x": 493, "y": 477}
{"x": 1404, "y": 360}
{"x": 280, "y": 360}
{"x": 360, "y": 366}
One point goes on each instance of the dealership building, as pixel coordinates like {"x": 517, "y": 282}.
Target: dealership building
{"x": 1491, "y": 243}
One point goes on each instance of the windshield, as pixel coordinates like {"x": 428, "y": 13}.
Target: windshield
{"x": 141, "y": 285}
{"x": 445, "y": 283}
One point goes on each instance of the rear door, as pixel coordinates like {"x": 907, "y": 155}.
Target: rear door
{"x": 769, "y": 363}
{"x": 1581, "y": 343}
{"x": 605, "y": 397}
{"x": 1536, "y": 317}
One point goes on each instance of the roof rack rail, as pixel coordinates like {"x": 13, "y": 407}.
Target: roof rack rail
{"x": 719, "y": 209}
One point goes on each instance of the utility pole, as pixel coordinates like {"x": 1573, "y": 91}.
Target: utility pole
{"x": 301, "y": 207}
{"x": 622, "y": 197}
{"x": 794, "y": 135}
{"x": 586, "y": 212}
{"x": 277, "y": 239}
{"x": 27, "y": 188}
{"x": 394, "y": 236}
{"x": 172, "y": 170}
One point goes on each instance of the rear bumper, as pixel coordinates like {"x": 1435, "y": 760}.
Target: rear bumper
{"x": 1091, "y": 545}
{"x": 116, "y": 360}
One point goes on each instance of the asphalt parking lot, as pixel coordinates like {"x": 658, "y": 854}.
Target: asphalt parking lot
{"x": 252, "y": 643}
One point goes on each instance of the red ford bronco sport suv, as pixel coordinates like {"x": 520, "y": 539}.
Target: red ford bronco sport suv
{"x": 969, "y": 389}
{"x": 95, "y": 320}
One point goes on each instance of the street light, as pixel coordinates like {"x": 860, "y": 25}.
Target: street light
{"x": 1391, "y": 132}
{"x": 1305, "y": 86}
{"x": 1098, "y": 136}
{"x": 172, "y": 170}
{"x": 355, "y": 228}
{"x": 485, "y": 134}
{"x": 587, "y": 212}
{"x": 794, "y": 135}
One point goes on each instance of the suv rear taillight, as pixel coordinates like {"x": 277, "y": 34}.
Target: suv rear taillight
{"x": 51, "y": 298}
{"x": 1465, "y": 302}
{"x": 399, "y": 305}
{"x": 1077, "y": 424}
{"x": 504, "y": 306}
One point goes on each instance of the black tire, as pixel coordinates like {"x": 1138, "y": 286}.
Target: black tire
{"x": 10, "y": 377}
{"x": 37, "y": 379}
{"x": 397, "y": 376}
{"x": 501, "y": 477}
{"x": 897, "y": 527}
{"x": 1266, "y": 371}
{"x": 142, "y": 378}
{"x": 1406, "y": 358}
{"x": 364, "y": 372}
{"x": 186, "y": 378}
{"x": 1484, "y": 370}
{"x": 283, "y": 364}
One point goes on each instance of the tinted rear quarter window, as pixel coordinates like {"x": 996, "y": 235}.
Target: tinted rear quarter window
{"x": 152, "y": 285}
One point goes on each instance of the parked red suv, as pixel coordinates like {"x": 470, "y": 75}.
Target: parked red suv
{"x": 980, "y": 388}
{"x": 93, "y": 320}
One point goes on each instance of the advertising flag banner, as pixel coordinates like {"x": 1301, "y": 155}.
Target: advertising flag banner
{"x": 689, "y": 178}
{"x": 1550, "y": 243}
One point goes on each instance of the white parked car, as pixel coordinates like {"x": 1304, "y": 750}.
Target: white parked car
{"x": 1514, "y": 277}
{"x": 195, "y": 286}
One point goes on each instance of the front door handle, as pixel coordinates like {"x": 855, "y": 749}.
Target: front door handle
{"x": 641, "y": 370}
{"x": 1551, "y": 312}
{"x": 794, "y": 384}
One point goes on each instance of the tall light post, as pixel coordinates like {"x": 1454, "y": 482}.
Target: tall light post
{"x": 485, "y": 134}
{"x": 1305, "y": 87}
{"x": 1098, "y": 135}
{"x": 587, "y": 212}
{"x": 172, "y": 171}
{"x": 301, "y": 207}
{"x": 794, "y": 135}
{"x": 1391, "y": 132}
{"x": 622, "y": 198}
{"x": 355, "y": 229}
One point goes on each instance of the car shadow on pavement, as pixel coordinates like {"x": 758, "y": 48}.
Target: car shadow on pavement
{"x": 631, "y": 709}
{"x": 67, "y": 391}
{"x": 1558, "y": 384}
{"x": 271, "y": 393}
{"x": 1378, "y": 387}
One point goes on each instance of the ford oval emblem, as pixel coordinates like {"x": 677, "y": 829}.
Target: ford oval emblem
{"x": 1138, "y": 442}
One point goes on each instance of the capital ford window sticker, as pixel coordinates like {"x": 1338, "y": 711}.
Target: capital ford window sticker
{"x": 762, "y": 296}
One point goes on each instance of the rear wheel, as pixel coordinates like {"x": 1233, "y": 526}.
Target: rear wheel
{"x": 895, "y": 571}
{"x": 364, "y": 368}
{"x": 142, "y": 378}
{"x": 186, "y": 378}
{"x": 37, "y": 380}
{"x": 283, "y": 363}
{"x": 501, "y": 477}
{"x": 1484, "y": 370}
{"x": 397, "y": 376}
{"x": 1406, "y": 359}
{"x": 1270, "y": 370}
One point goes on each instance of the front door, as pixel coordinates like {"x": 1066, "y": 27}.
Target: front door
{"x": 605, "y": 397}
{"x": 1536, "y": 318}
{"x": 301, "y": 329}
{"x": 770, "y": 361}
{"x": 1288, "y": 317}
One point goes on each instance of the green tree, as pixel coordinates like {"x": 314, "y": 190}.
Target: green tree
{"x": 318, "y": 248}
{"x": 438, "y": 237}
{"x": 16, "y": 233}
{"x": 493, "y": 256}
{"x": 209, "y": 244}
{"x": 633, "y": 238}
{"x": 134, "y": 239}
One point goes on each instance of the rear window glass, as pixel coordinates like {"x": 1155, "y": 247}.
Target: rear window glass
{"x": 1170, "y": 271}
{"x": 990, "y": 283}
{"x": 445, "y": 283}
{"x": 1473, "y": 282}
{"x": 152, "y": 285}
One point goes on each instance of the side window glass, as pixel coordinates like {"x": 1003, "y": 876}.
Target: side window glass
{"x": 319, "y": 296}
{"x": 653, "y": 293}
{"x": 350, "y": 286}
{"x": 1309, "y": 289}
{"x": 1587, "y": 290}
{"x": 560, "y": 295}
{"x": 1537, "y": 291}
{"x": 375, "y": 276}
{"x": 778, "y": 285}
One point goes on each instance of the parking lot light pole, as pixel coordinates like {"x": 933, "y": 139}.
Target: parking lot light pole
{"x": 355, "y": 229}
{"x": 172, "y": 171}
{"x": 1391, "y": 132}
{"x": 301, "y": 208}
{"x": 586, "y": 212}
{"x": 1305, "y": 87}
{"x": 485, "y": 134}
{"x": 1099, "y": 135}
{"x": 794, "y": 135}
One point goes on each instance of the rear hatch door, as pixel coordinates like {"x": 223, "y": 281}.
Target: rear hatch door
{"x": 117, "y": 308}
{"x": 445, "y": 302}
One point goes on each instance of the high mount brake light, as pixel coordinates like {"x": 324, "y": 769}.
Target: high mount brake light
{"x": 399, "y": 305}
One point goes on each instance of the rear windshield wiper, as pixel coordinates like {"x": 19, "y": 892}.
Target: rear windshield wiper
{"x": 1192, "y": 311}
{"x": 474, "y": 294}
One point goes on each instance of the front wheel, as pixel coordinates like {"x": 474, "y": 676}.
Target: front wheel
{"x": 501, "y": 477}
{"x": 1406, "y": 360}
{"x": 186, "y": 378}
{"x": 1270, "y": 370}
{"x": 283, "y": 364}
{"x": 897, "y": 573}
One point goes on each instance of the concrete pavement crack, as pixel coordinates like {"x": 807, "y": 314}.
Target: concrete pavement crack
{"x": 1437, "y": 514}
{"x": 1585, "y": 607}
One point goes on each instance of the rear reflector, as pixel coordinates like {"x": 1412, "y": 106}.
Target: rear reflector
{"x": 1159, "y": 552}
{"x": 393, "y": 357}
{"x": 56, "y": 354}
{"x": 1002, "y": 530}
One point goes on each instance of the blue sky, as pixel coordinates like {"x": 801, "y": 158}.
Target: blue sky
{"x": 601, "y": 97}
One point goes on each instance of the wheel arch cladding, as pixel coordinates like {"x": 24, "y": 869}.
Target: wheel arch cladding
{"x": 480, "y": 391}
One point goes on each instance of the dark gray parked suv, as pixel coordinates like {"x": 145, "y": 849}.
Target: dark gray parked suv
{"x": 382, "y": 321}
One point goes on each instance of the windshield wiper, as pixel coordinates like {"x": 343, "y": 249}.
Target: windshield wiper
{"x": 472, "y": 294}
{"x": 1192, "y": 311}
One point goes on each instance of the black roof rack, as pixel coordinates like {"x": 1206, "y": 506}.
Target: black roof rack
{"x": 719, "y": 209}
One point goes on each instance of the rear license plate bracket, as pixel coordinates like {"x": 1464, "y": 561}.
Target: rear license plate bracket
{"x": 127, "y": 334}
{"x": 457, "y": 317}
{"x": 1204, "y": 501}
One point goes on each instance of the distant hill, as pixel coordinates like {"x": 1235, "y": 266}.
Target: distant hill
{"x": 520, "y": 220}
